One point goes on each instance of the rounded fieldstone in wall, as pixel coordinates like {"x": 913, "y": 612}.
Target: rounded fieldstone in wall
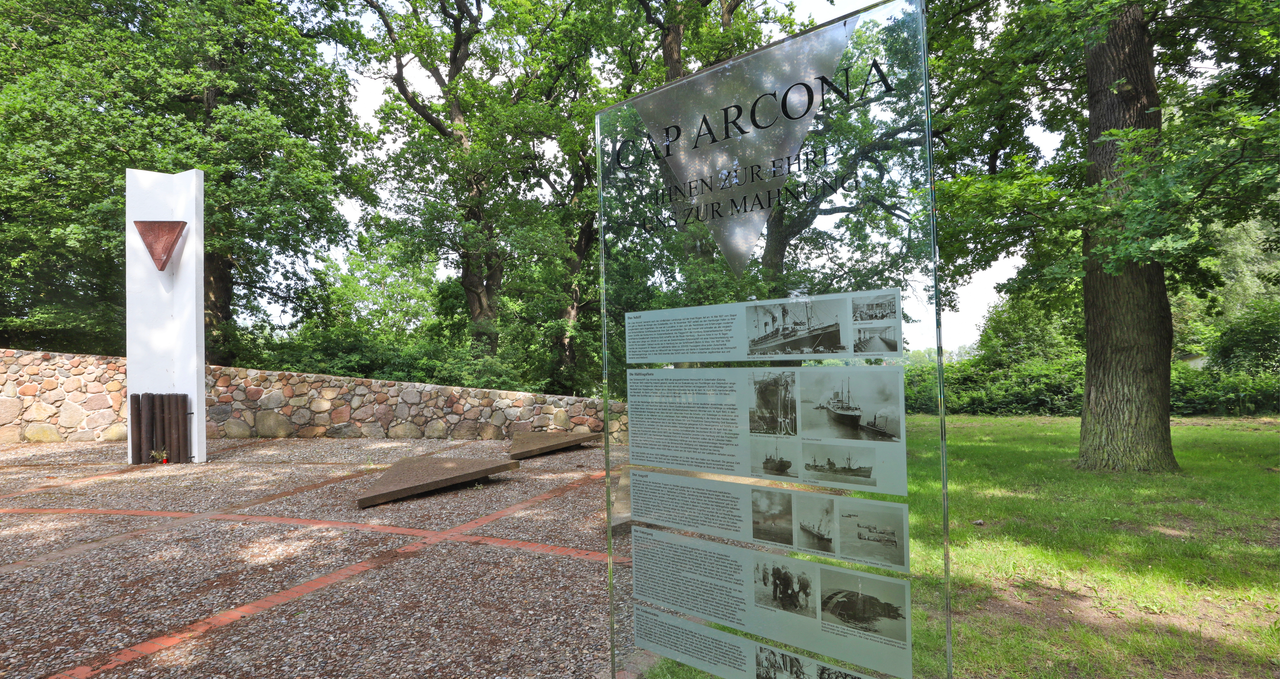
{"x": 345, "y": 430}
{"x": 116, "y": 432}
{"x": 436, "y": 429}
{"x": 272, "y": 425}
{"x": 271, "y": 400}
{"x": 236, "y": 429}
{"x": 39, "y": 411}
{"x": 42, "y": 433}
{"x": 220, "y": 412}
{"x": 10, "y": 409}
{"x": 405, "y": 430}
{"x": 10, "y": 434}
{"x": 70, "y": 415}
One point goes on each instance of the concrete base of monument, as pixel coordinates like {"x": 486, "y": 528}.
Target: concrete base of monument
{"x": 415, "y": 475}
{"x": 528, "y": 444}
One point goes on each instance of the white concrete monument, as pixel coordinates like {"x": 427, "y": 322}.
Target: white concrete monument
{"x": 164, "y": 288}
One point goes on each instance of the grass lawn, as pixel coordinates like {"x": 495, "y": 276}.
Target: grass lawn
{"x": 1088, "y": 574}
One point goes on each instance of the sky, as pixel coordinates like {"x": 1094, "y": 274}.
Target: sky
{"x": 960, "y": 327}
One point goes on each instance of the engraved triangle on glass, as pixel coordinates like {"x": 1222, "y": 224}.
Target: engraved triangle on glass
{"x": 730, "y": 180}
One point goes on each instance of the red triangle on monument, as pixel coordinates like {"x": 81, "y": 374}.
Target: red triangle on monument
{"x": 160, "y": 238}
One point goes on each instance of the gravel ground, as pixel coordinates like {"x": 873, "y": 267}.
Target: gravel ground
{"x": 17, "y": 479}
{"x": 183, "y": 487}
{"x": 65, "y": 453}
{"x": 571, "y": 520}
{"x": 440, "y": 510}
{"x": 85, "y": 453}
{"x": 330, "y": 451}
{"x": 514, "y": 615}
{"x": 159, "y": 582}
{"x": 26, "y": 535}
{"x": 448, "y": 610}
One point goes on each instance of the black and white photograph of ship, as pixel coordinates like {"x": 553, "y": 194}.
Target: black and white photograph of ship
{"x": 775, "y": 457}
{"x": 803, "y": 327}
{"x": 771, "y": 516}
{"x": 869, "y": 533}
{"x": 879, "y": 307}
{"x": 874, "y": 606}
{"x": 774, "y": 664}
{"x": 858, "y": 404}
{"x": 816, "y": 516}
{"x": 876, "y": 339}
{"x": 832, "y": 463}
{"x": 774, "y": 410}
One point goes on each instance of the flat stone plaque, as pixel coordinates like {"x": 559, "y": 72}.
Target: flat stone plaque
{"x": 528, "y": 444}
{"x": 414, "y": 475}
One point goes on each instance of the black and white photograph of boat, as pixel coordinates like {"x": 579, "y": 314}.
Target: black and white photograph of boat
{"x": 775, "y": 457}
{"x": 801, "y": 327}
{"x": 879, "y": 307}
{"x": 774, "y": 410}
{"x": 816, "y": 517}
{"x": 861, "y": 405}
{"x": 876, "y": 339}
{"x": 873, "y": 533}
{"x": 832, "y": 463}
{"x": 771, "y": 516}
{"x": 787, "y": 585}
{"x": 774, "y": 664}
{"x": 874, "y": 606}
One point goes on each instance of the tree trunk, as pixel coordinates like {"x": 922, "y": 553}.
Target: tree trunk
{"x": 672, "y": 41}
{"x": 481, "y": 278}
{"x": 1128, "y": 324}
{"x": 218, "y": 316}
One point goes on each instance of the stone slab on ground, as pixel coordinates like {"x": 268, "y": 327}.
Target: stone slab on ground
{"x": 414, "y": 475}
{"x": 528, "y": 444}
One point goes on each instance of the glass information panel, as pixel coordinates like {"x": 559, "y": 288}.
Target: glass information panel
{"x": 769, "y": 263}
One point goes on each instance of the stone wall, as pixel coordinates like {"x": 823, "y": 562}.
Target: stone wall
{"x": 61, "y": 397}
{"x": 71, "y": 397}
{"x": 244, "y": 403}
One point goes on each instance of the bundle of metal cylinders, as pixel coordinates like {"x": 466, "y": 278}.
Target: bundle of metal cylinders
{"x": 160, "y": 429}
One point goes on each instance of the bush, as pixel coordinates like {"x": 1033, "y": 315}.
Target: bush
{"x": 1214, "y": 392}
{"x": 1251, "y": 342}
{"x": 1056, "y": 387}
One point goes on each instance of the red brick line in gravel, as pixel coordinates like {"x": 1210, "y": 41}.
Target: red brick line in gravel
{"x": 180, "y": 519}
{"x": 502, "y": 514}
{"x": 213, "y": 622}
{"x": 107, "y": 512}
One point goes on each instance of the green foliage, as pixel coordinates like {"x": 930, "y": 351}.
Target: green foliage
{"x": 1213, "y": 167}
{"x": 239, "y": 90}
{"x": 1216, "y": 392}
{"x": 1040, "y": 387}
{"x": 1019, "y": 330}
{"x": 384, "y": 319}
{"x": 1251, "y": 342}
{"x": 1032, "y": 362}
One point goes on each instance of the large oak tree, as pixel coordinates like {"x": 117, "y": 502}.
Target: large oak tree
{"x": 1169, "y": 125}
